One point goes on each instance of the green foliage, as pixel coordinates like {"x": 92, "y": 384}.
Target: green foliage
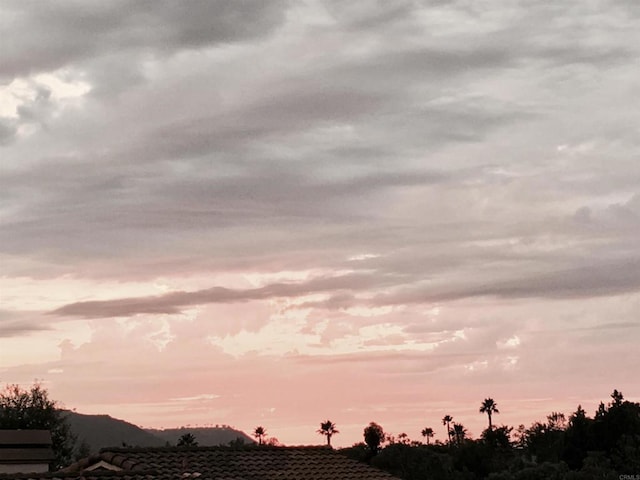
{"x": 83, "y": 450}
{"x": 578, "y": 439}
{"x": 416, "y": 463}
{"x": 558, "y": 448}
{"x": 358, "y": 451}
{"x": 545, "y": 443}
{"x": 543, "y": 471}
{"x": 237, "y": 443}
{"x": 459, "y": 433}
{"x": 187, "y": 440}
{"x": 33, "y": 410}
{"x": 498, "y": 438}
{"x": 374, "y": 437}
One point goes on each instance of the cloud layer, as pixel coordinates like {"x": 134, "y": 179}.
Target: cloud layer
{"x": 439, "y": 199}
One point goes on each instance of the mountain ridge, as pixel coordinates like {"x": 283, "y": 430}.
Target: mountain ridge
{"x": 95, "y": 432}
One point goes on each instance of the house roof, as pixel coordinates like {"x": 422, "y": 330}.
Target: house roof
{"x": 26, "y": 455}
{"x": 9, "y": 438}
{"x": 219, "y": 463}
{"x": 25, "y": 447}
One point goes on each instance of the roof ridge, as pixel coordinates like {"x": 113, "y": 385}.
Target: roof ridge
{"x": 77, "y": 475}
{"x": 121, "y": 450}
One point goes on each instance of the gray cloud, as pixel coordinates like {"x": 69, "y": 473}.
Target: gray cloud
{"x": 8, "y": 130}
{"x": 48, "y": 37}
{"x": 17, "y": 324}
{"x": 607, "y": 279}
{"x": 172, "y": 302}
{"x": 456, "y": 142}
{"x": 473, "y": 165}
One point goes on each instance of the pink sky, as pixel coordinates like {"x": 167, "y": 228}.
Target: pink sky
{"x": 266, "y": 213}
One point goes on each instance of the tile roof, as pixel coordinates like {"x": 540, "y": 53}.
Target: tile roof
{"x": 220, "y": 463}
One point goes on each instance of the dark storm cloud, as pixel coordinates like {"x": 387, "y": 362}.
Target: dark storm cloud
{"x": 51, "y": 35}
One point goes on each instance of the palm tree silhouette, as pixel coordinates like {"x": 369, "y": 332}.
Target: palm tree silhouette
{"x": 459, "y": 432}
{"x": 489, "y": 406}
{"x": 446, "y": 421}
{"x": 260, "y": 433}
{"x": 328, "y": 429}
{"x": 428, "y": 433}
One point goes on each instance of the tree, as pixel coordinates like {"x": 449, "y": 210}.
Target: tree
{"x": 82, "y": 451}
{"x": 328, "y": 429}
{"x": 404, "y": 439}
{"x": 33, "y": 410}
{"x": 578, "y": 439}
{"x": 274, "y": 442}
{"x": 489, "y": 406}
{"x": 260, "y": 433}
{"x": 187, "y": 440}
{"x": 459, "y": 432}
{"x": 521, "y": 438}
{"x": 427, "y": 433}
{"x": 446, "y": 421}
{"x": 237, "y": 443}
{"x": 556, "y": 421}
{"x": 498, "y": 437}
{"x": 374, "y": 437}
{"x": 617, "y": 398}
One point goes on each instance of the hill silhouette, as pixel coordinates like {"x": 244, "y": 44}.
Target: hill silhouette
{"x": 205, "y": 436}
{"x": 102, "y": 431}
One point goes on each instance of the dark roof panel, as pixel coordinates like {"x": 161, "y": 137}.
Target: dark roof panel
{"x": 25, "y": 455}
{"x": 25, "y": 437}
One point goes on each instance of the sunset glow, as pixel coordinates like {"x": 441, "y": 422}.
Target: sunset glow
{"x": 278, "y": 213}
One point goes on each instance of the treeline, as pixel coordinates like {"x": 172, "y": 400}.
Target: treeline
{"x": 578, "y": 447}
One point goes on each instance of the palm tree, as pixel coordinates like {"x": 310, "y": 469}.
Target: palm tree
{"x": 459, "y": 432}
{"x": 428, "y": 433}
{"x": 260, "y": 433}
{"x": 489, "y": 407}
{"x": 446, "y": 421}
{"x": 328, "y": 429}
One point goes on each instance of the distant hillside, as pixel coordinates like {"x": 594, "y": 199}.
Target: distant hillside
{"x": 100, "y": 431}
{"x": 204, "y": 436}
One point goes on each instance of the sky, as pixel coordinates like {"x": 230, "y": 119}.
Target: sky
{"x": 280, "y": 212}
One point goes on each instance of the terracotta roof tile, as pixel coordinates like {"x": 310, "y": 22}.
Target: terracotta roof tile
{"x": 222, "y": 463}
